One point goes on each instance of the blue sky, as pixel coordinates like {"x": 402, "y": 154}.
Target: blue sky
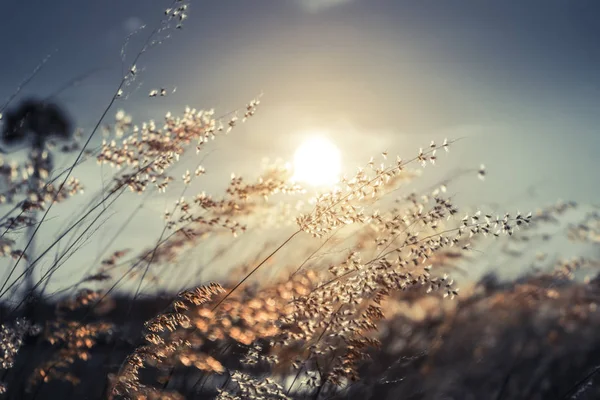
{"x": 519, "y": 79}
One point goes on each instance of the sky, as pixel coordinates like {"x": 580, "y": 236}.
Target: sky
{"x": 520, "y": 81}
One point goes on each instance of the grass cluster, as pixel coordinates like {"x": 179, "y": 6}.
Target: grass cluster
{"x": 358, "y": 300}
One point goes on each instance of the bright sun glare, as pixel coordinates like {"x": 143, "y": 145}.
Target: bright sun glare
{"x": 317, "y": 162}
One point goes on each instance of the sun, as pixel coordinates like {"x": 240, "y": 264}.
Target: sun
{"x": 317, "y": 162}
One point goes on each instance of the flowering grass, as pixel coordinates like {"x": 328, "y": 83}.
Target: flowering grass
{"x": 358, "y": 300}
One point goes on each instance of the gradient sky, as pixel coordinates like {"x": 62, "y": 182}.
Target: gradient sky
{"x": 519, "y": 79}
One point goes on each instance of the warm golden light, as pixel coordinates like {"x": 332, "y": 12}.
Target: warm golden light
{"x": 317, "y": 162}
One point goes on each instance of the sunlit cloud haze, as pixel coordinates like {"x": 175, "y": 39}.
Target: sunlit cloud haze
{"x": 518, "y": 81}
{"x": 319, "y": 5}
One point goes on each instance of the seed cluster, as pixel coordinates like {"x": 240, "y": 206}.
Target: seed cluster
{"x": 11, "y": 340}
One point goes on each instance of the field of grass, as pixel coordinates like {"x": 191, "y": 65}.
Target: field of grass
{"x": 357, "y": 292}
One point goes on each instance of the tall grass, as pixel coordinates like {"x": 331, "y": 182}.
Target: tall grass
{"x": 355, "y": 301}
